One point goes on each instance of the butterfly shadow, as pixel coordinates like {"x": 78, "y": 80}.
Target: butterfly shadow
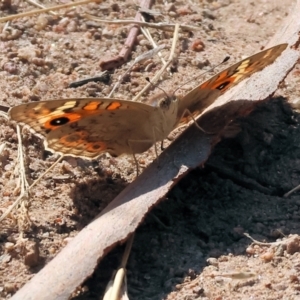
{"x": 91, "y": 195}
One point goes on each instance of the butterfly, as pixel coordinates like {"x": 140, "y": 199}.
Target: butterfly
{"x": 88, "y": 127}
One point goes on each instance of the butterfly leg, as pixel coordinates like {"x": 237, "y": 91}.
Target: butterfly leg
{"x": 131, "y": 144}
{"x": 156, "y": 151}
{"x": 134, "y": 158}
{"x": 150, "y": 142}
{"x": 136, "y": 165}
{"x": 187, "y": 112}
{"x": 155, "y": 146}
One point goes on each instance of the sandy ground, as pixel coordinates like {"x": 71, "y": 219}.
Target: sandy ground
{"x": 200, "y": 252}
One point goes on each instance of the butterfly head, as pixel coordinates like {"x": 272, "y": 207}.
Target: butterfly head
{"x": 162, "y": 100}
{"x": 167, "y": 102}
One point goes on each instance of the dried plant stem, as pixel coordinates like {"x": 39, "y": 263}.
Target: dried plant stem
{"x": 139, "y": 59}
{"x": 148, "y": 35}
{"x": 160, "y": 72}
{"x": 109, "y": 62}
{"x": 24, "y": 183}
{"x": 2, "y": 113}
{"x": 262, "y": 243}
{"x": 295, "y": 189}
{"x": 2, "y": 147}
{"x": 161, "y": 25}
{"x": 119, "y": 280}
{"x": 19, "y": 199}
{"x": 40, "y": 6}
{"x": 53, "y": 8}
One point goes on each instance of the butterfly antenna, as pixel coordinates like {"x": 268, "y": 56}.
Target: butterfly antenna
{"x": 156, "y": 86}
{"x": 209, "y": 70}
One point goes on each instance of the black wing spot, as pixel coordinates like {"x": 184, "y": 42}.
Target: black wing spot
{"x": 223, "y": 85}
{"x": 59, "y": 121}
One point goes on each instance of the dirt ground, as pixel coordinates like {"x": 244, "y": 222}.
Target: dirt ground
{"x": 197, "y": 249}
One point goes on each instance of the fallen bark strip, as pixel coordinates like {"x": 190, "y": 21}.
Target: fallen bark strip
{"x": 122, "y": 216}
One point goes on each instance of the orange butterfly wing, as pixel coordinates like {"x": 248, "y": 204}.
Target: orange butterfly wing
{"x": 87, "y": 127}
{"x": 196, "y": 101}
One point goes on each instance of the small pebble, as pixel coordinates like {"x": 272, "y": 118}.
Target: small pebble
{"x": 107, "y": 33}
{"x": 31, "y": 258}
{"x": 170, "y": 7}
{"x": 293, "y": 245}
{"x": 41, "y": 22}
{"x": 9, "y": 246}
{"x": 184, "y": 10}
{"x": 172, "y": 14}
{"x": 10, "y": 287}
{"x": 38, "y": 61}
{"x": 250, "y": 250}
{"x": 197, "y": 45}
{"x": 72, "y": 26}
{"x": 212, "y": 261}
{"x": 5, "y": 258}
{"x": 206, "y": 13}
{"x": 144, "y": 43}
{"x": 267, "y": 256}
{"x": 11, "y": 68}
{"x": 10, "y": 34}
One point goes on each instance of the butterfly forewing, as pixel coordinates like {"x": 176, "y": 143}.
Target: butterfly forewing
{"x": 206, "y": 93}
{"x": 89, "y": 126}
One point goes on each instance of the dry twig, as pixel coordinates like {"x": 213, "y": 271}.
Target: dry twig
{"x": 116, "y": 61}
{"x": 2, "y": 147}
{"x": 161, "y": 25}
{"x": 48, "y": 9}
{"x": 139, "y": 59}
{"x": 295, "y": 189}
{"x": 261, "y": 243}
{"x": 19, "y": 199}
{"x": 113, "y": 291}
{"x": 160, "y": 72}
{"x": 40, "y": 6}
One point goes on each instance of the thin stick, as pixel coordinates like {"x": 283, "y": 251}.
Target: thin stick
{"x": 4, "y": 114}
{"x": 261, "y": 243}
{"x": 121, "y": 273}
{"x": 40, "y": 6}
{"x": 109, "y": 62}
{"x": 139, "y": 59}
{"x": 2, "y": 147}
{"x": 161, "y": 25}
{"x": 159, "y": 73}
{"x": 295, "y": 189}
{"x": 103, "y": 77}
{"x": 8, "y": 211}
{"x": 24, "y": 183}
{"x": 6, "y": 26}
{"x": 148, "y": 35}
{"x": 53, "y": 8}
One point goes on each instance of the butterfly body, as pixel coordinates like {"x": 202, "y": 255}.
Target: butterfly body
{"x": 87, "y": 127}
